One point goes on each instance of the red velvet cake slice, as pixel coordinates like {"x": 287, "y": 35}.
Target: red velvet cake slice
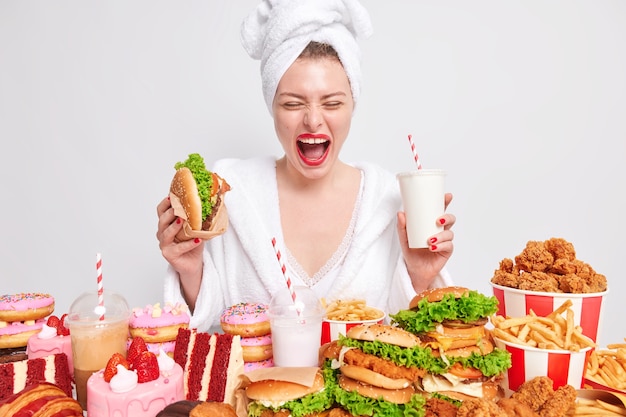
{"x": 15, "y": 376}
{"x": 213, "y": 364}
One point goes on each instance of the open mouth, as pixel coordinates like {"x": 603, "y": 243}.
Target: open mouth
{"x": 313, "y": 150}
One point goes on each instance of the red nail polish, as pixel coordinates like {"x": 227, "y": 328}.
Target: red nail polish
{"x": 433, "y": 247}
{"x": 433, "y": 239}
{"x": 196, "y": 240}
{"x": 442, "y": 221}
{"x": 178, "y": 220}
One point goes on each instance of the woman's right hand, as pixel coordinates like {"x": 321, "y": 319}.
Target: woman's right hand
{"x": 185, "y": 257}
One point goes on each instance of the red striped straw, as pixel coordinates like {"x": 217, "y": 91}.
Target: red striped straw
{"x": 415, "y": 156}
{"x": 283, "y": 268}
{"x": 100, "y": 287}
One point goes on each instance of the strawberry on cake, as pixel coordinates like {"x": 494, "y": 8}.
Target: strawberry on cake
{"x": 54, "y": 337}
{"x": 138, "y": 385}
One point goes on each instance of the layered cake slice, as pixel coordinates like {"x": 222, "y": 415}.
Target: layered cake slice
{"x": 213, "y": 365}
{"x": 15, "y": 376}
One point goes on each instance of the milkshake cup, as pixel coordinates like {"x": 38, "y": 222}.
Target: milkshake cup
{"x": 423, "y": 195}
{"x": 296, "y": 327}
{"x": 97, "y": 332}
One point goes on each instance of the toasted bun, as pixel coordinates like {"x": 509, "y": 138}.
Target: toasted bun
{"x": 185, "y": 188}
{"x": 213, "y": 409}
{"x": 437, "y": 294}
{"x": 370, "y": 377}
{"x": 397, "y": 396}
{"x": 273, "y": 390}
{"x": 384, "y": 333}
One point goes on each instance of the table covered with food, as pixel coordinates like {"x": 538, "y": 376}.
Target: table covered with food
{"x": 528, "y": 349}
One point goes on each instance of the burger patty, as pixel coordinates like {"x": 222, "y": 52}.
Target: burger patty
{"x": 382, "y": 366}
{"x": 206, "y": 225}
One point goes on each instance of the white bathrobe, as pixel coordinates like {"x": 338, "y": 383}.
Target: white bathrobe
{"x": 241, "y": 265}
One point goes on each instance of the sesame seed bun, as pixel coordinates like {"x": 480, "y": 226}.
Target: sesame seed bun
{"x": 384, "y": 333}
{"x": 437, "y": 294}
{"x": 275, "y": 391}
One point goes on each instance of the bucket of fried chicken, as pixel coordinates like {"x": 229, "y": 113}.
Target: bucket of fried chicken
{"x": 545, "y": 275}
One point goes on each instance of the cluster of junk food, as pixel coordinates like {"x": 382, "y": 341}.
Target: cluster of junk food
{"x": 530, "y": 349}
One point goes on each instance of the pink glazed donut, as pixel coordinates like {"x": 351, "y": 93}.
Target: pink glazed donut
{"x": 251, "y": 366}
{"x": 257, "y": 348}
{"x": 246, "y": 320}
{"x": 25, "y": 306}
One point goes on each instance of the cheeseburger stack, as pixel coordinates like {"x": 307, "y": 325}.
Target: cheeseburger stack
{"x": 451, "y": 322}
{"x": 375, "y": 368}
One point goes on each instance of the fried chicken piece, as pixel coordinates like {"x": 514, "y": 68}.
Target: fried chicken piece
{"x": 382, "y": 366}
{"x": 506, "y": 279}
{"x": 572, "y": 283}
{"x": 538, "y": 281}
{"x": 534, "y": 392}
{"x": 507, "y": 265}
{"x": 515, "y": 408}
{"x": 436, "y": 407}
{"x": 559, "y": 403}
{"x": 597, "y": 283}
{"x": 338, "y": 412}
{"x": 534, "y": 257}
{"x": 478, "y": 407}
{"x": 560, "y": 249}
{"x": 563, "y": 267}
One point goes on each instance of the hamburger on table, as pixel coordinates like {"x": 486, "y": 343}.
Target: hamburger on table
{"x": 450, "y": 322}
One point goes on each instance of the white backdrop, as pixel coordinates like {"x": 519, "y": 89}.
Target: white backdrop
{"x": 522, "y": 102}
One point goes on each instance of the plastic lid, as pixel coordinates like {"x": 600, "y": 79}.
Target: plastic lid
{"x": 282, "y": 305}
{"x": 87, "y": 309}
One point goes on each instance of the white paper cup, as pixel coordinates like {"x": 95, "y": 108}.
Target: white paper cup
{"x": 588, "y": 308}
{"x": 563, "y": 367}
{"x": 296, "y": 335}
{"x": 423, "y": 194}
{"x": 331, "y": 329}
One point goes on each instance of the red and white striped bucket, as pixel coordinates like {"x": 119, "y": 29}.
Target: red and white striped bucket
{"x": 563, "y": 367}
{"x": 331, "y": 329}
{"x": 587, "y": 307}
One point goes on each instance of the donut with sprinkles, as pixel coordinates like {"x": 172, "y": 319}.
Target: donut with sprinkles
{"x": 25, "y": 306}
{"x": 246, "y": 320}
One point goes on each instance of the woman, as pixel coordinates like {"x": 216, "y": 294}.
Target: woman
{"x": 337, "y": 223}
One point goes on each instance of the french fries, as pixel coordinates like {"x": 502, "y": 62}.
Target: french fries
{"x": 588, "y": 407}
{"x": 350, "y": 310}
{"x": 608, "y": 366}
{"x": 551, "y": 332}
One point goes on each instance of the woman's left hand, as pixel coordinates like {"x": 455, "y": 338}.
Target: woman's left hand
{"x": 423, "y": 265}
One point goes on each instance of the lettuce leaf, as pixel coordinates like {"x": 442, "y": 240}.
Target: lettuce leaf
{"x": 468, "y": 308}
{"x": 492, "y": 364}
{"x": 359, "y": 405}
{"x": 204, "y": 181}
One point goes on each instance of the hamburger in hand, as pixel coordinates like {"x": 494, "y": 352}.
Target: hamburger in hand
{"x": 375, "y": 368}
{"x": 276, "y": 398}
{"x": 451, "y": 323}
{"x": 198, "y": 192}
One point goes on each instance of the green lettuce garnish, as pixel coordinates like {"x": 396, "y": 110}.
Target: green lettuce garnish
{"x": 470, "y": 307}
{"x": 492, "y": 364}
{"x": 204, "y": 181}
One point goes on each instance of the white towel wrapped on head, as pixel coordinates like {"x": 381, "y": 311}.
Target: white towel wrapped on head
{"x": 277, "y": 31}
